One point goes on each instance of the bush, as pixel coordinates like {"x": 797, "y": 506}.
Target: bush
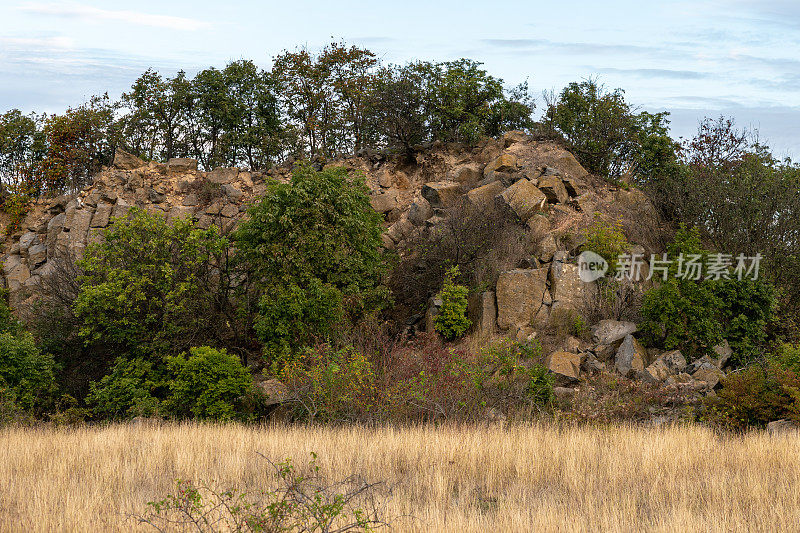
{"x": 313, "y": 249}
{"x": 452, "y": 321}
{"x": 754, "y": 396}
{"x": 26, "y": 374}
{"x": 330, "y": 384}
{"x": 606, "y": 239}
{"x": 207, "y": 384}
{"x": 153, "y": 288}
{"x": 133, "y": 388}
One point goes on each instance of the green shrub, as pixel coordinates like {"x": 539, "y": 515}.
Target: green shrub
{"x": 151, "y": 287}
{"x": 452, "y": 321}
{"x": 208, "y": 384}
{"x": 26, "y": 374}
{"x": 606, "y": 239}
{"x": 314, "y": 248}
{"x": 787, "y": 356}
{"x": 132, "y": 388}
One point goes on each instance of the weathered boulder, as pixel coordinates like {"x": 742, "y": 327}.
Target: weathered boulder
{"x": 522, "y": 198}
{"x": 567, "y": 289}
{"x": 419, "y": 212}
{"x": 519, "y": 296}
{"x": 37, "y": 254}
{"x": 466, "y": 175}
{"x": 546, "y": 248}
{"x": 724, "y": 353}
{"x": 383, "y": 202}
{"x": 553, "y": 188}
{"x": 441, "y": 193}
{"x": 782, "y": 426}
{"x": 710, "y": 376}
{"x": 565, "y": 365}
{"x": 631, "y": 357}
{"x": 102, "y": 215}
{"x": 668, "y": 364}
{"x": 484, "y": 196}
{"x": 126, "y": 161}
{"x": 482, "y": 310}
{"x": 222, "y": 175}
{"x": 181, "y": 164}
{"x": 504, "y": 163}
{"x": 513, "y": 137}
{"x": 610, "y": 331}
{"x": 231, "y": 192}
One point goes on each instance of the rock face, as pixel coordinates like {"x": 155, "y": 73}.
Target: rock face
{"x": 520, "y": 294}
{"x": 125, "y": 161}
{"x": 482, "y": 310}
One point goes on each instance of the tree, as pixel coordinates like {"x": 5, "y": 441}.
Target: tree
{"x": 313, "y": 248}
{"x": 152, "y": 288}
{"x": 607, "y": 135}
{"x": 452, "y": 321}
{"x": 22, "y": 147}
{"x": 79, "y": 143}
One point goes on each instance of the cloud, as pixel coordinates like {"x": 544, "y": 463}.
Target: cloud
{"x": 658, "y": 73}
{"x": 104, "y": 15}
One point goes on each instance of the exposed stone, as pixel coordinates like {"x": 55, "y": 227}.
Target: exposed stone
{"x": 571, "y": 186}
{"x": 523, "y": 198}
{"x": 553, "y": 188}
{"x": 563, "y": 393}
{"x": 400, "y": 229}
{"x": 724, "y": 353}
{"x": 222, "y": 175}
{"x": 710, "y": 375}
{"x": 27, "y": 240}
{"x": 513, "y": 137}
{"x": 782, "y": 426}
{"x": 383, "y": 202}
{"x": 121, "y": 209}
{"x": 231, "y": 192}
{"x": 546, "y": 248}
{"x": 519, "y": 296}
{"x": 668, "y": 364}
{"x": 181, "y": 164}
{"x": 565, "y": 365}
{"x": 631, "y": 357}
{"x": 482, "y": 310}
{"x": 605, "y": 352}
{"x": 37, "y": 254}
{"x": 125, "y": 161}
{"x": 441, "y": 193}
{"x": 610, "y": 331}
{"x": 229, "y": 211}
{"x": 504, "y": 163}
{"x": 484, "y": 197}
{"x": 102, "y": 215}
{"x": 566, "y": 286}
{"x": 420, "y": 211}
{"x": 467, "y": 175}
{"x": 539, "y": 224}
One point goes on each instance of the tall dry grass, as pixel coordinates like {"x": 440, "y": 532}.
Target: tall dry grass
{"x": 449, "y": 478}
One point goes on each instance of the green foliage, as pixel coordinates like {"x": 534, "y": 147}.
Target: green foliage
{"x": 787, "y": 356}
{"x": 607, "y": 135}
{"x": 452, "y": 321}
{"x": 207, "y": 384}
{"x": 313, "y": 247}
{"x": 148, "y": 288}
{"x": 26, "y": 374}
{"x": 133, "y": 388}
{"x": 606, "y": 239}
{"x": 696, "y": 315}
{"x": 508, "y": 373}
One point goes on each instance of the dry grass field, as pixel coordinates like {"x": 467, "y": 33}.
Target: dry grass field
{"x": 460, "y": 479}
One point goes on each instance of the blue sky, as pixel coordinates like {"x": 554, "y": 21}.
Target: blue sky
{"x": 705, "y": 57}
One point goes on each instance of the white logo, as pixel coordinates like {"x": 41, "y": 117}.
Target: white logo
{"x": 591, "y": 267}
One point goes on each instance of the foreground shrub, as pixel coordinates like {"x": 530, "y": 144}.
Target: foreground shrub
{"x": 452, "y": 321}
{"x": 754, "y": 396}
{"x": 299, "y": 500}
{"x": 134, "y": 387}
{"x": 206, "y": 384}
{"x": 606, "y": 239}
{"x": 330, "y": 384}
{"x": 26, "y": 374}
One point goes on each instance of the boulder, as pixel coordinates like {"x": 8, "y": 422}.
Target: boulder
{"x": 504, "y": 163}
{"x": 631, "y": 357}
{"x": 191, "y": 200}
{"x": 126, "y": 161}
{"x": 546, "y": 248}
{"x": 484, "y": 197}
{"x": 482, "y": 310}
{"x": 523, "y": 198}
{"x": 419, "y": 212}
{"x": 571, "y": 186}
{"x": 710, "y": 376}
{"x": 566, "y": 286}
{"x": 782, "y": 426}
{"x": 610, "y": 331}
{"x": 553, "y": 188}
{"x": 539, "y": 224}
{"x": 383, "y": 202}
{"x": 565, "y": 365}
{"x": 102, "y": 215}
{"x": 724, "y": 353}
{"x": 441, "y": 193}
{"x": 668, "y": 364}
{"x": 231, "y": 192}
{"x": 181, "y": 164}
{"x": 37, "y": 254}
{"x": 519, "y": 296}
{"x": 467, "y": 175}
{"x": 222, "y": 175}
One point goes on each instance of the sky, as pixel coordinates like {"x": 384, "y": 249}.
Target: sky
{"x": 740, "y": 58}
